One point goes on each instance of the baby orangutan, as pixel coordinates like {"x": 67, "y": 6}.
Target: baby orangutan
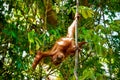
{"x": 63, "y": 47}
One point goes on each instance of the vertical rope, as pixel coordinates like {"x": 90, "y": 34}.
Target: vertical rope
{"x": 76, "y": 43}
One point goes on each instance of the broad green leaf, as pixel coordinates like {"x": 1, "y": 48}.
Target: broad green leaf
{"x": 31, "y": 36}
{"x": 84, "y": 14}
{"x": 90, "y": 13}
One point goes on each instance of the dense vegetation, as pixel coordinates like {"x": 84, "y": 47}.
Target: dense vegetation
{"x": 29, "y": 25}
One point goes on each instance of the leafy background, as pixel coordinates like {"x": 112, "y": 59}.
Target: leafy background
{"x": 29, "y": 25}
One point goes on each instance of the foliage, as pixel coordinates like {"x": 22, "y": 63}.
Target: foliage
{"x": 29, "y": 25}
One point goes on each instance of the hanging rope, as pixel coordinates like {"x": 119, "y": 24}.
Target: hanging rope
{"x": 76, "y": 42}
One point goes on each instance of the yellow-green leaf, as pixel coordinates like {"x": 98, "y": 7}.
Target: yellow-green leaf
{"x": 84, "y": 13}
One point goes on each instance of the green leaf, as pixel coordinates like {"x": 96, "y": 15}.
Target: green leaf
{"x": 37, "y": 43}
{"x": 69, "y": 11}
{"x": 89, "y": 13}
{"x": 57, "y": 9}
{"x": 31, "y": 36}
{"x": 13, "y": 34}
{"x": 84, "y": 14}
{"x": 88, "y": 74}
